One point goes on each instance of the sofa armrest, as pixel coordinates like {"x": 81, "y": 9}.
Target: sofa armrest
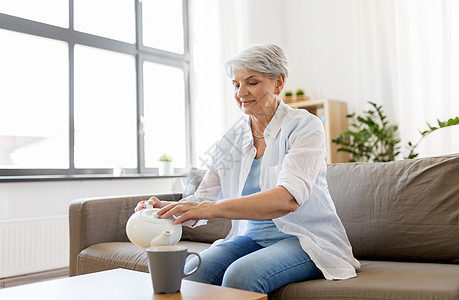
{"x": 99, "y": 220}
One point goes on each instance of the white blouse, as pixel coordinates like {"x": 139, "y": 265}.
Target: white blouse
{"x": 295, "y": 159}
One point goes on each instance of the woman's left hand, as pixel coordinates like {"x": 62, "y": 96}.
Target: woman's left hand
{"x": 188, "y": 211}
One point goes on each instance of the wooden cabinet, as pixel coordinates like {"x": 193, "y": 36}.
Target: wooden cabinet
{"x": 333, "y": 115}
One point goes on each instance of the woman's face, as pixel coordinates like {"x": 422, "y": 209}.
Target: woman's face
{"x": 255, "y": 93}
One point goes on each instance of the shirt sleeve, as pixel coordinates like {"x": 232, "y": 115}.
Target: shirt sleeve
{"x": 305, "y": 156}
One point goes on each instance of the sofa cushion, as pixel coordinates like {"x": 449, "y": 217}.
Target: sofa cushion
{"x": 382, "y": 280}
{"x": 107, "y": 256}
{"x": 403, "y": 210}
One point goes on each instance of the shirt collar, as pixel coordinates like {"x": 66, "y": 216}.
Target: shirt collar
{"x": 275, "y": 124}
{"x": 247, "y": 134}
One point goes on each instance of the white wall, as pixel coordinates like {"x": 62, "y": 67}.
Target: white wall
{"x": 320, "y": 39}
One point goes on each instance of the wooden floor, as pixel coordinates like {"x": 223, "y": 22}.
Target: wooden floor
{"x": 32, "y": 278}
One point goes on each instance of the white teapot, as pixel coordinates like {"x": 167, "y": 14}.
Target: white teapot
{"x": 145, "y": 229}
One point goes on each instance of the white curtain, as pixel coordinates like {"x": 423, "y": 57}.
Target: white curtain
{"x": 215, "y": 36}
{"x": 409, "y": 63}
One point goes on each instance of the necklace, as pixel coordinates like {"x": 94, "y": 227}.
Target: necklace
{"x": 258, "y": 137}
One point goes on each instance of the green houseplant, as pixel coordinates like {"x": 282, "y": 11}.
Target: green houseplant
{"x": 372, "y": 139}
{"x": 288, "y": 96}
{"x": 300, "y": 95}
{"x": 441, "y": 124}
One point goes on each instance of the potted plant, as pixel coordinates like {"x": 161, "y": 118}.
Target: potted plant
{"x": 372, "y": 139}
{"x": 288, "y": 96}
{"x": 300, "y": 95}
{"x": 165, "y": 165}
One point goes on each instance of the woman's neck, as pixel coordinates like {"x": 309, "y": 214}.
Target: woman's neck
{"x": 261, "y": 120}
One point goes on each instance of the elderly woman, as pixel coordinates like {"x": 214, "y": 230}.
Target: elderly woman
{"x": 268, "y": 176}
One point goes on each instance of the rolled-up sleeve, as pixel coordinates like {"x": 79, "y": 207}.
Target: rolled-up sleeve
{"x": 303, "y": 160}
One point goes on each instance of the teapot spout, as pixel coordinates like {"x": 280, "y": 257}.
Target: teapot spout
{"x": 164, "y": 239}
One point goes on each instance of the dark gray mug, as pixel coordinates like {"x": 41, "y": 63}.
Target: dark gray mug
{"x": 166, "y": 264}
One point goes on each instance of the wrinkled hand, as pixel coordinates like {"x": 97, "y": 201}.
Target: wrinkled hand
{"x": 153, "y": 201}
{"x": 189, "y": 211}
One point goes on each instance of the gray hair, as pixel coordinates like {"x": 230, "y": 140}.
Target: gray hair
{"x": 268, "y": 59}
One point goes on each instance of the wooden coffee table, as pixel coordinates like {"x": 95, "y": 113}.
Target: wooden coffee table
{"x": 119, "y": 284}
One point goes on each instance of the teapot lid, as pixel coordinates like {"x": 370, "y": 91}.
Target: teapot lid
{"x": 151, "y": 216}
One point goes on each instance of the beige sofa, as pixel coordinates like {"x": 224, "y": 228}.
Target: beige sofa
{"x": 402, "y": 219}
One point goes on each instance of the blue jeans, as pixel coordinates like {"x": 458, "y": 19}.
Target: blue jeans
{"x": 243, "y": 264}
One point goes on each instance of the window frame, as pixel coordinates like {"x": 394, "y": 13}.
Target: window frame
{"x": 141, "y": 54}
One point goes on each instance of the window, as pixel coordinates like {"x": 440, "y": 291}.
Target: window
{"x": 38, "y": 11}
{"x": 105, "y": 109}
{"x": 118, "y": 21}
{"x": 33, "y": 109}
{"x": 93, "y": 86}
{"x": 163, "y": 32}
{"x": 164, "y": 106}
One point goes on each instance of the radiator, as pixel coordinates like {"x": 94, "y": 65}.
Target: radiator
{"x": 33, "y": 245}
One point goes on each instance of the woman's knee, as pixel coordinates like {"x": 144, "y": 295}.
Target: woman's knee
{"x": 241, "y": 276}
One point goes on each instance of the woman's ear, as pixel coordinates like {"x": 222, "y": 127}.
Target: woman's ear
{"x": 280, "y": 82}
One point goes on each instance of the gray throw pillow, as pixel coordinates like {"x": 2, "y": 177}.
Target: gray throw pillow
{"x": 194, "y": 179}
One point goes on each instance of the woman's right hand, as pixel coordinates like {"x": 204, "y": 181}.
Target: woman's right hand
{"x": 155, "y": 202}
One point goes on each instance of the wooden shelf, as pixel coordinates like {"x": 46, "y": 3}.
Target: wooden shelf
{"x": 333, "y": 115}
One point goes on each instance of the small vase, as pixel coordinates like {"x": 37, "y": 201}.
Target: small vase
{"x": 165, "y": 168}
